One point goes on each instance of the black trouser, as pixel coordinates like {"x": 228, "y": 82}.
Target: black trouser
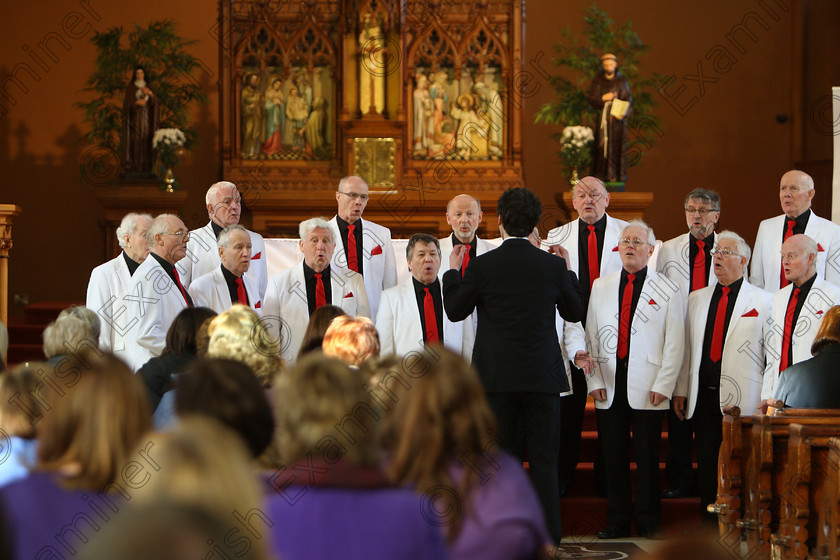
{"x": 538, "y": 416}
{"x": 708, "y": 430}
{"x": 571, "y": 426}
{"x": 615, "y": 424}
{"x": 678, "y": 468}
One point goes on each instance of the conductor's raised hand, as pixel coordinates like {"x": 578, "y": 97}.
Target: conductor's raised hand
{"x": 456, "y": 258}
{"x": 560, "y": 251}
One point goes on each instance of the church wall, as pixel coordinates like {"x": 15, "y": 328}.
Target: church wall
{"x": 727, "y": 140}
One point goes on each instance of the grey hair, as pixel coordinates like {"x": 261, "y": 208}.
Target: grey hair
{"x": 743, "y": 247}
{"x": 811, "y": 247}
{"x": 128, "y": 225}
{"x": 158, "y": 226}
{"x": 344, "y": 180}
{"x": 641, "y": 224}
{"x": 307, "y": 226}
{"x": 85, "y": 314}
{"x": 224, "y": 236}
{"x": 66, "y": 334}
{"x": 710, "y": 197}
{"x": 210, "y": 197}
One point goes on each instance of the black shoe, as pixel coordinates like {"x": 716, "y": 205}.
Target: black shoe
{"x": 676, "y": 492}
{"x": 654, "y": 533}
{"x": 613, "y": 532}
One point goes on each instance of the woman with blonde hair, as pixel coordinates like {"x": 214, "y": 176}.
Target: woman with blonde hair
{"x": 239, "y": 334}
{"x": 97, "y": 411}
{"x": 440, "y": 439}
{"x": 353, "y": 340}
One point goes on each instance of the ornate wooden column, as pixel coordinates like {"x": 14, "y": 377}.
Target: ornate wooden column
{"x": 7, "y": 214}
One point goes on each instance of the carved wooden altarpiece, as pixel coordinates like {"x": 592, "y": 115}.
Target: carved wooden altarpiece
{"x": 419, "y": 97}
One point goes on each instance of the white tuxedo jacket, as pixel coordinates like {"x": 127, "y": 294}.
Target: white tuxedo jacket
{"x": 203, "y": 257}
{"x": 742, "y": 362}
{"x": 673, "y": 262}
{"x": 379, "y": 268}
{"x": 657, "y": 340}
{"x": 211, "y": 290}
{"x": 821, "y": 297}
{"x": 567, "y": 236}
{"x": 286, "y": 308}
{"x": 107, "y": 285}
{"x": 153, "y": 300}
{"x": 400, "y": 331}
{"x": 766, "y": 268}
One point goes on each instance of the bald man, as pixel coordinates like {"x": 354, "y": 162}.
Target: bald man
{"x": 464, "y": 215}
{"x": 796, "y": 191}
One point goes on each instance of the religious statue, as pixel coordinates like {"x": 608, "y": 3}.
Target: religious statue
{"x": 275, "y": 116}
{"x": 297, "y": 112}
{"x": 251, "y": 122}
{"x": 609, "y": 163}
{"x": 422, "y": 117}
{"x": 373, "y": 52}
{"x": 472, "y": 137}
{"x": 140, "y": 120}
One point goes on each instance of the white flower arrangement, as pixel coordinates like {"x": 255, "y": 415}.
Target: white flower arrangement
{"x": 577, "y": 136}
{"x": 576, "y": 147}
{"x": 169, "y": 137}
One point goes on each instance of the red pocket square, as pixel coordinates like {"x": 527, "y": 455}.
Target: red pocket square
{"x": 257, "y": 256}
{"x": 258, "y": 305}
{"x": 820, "y": 312}
{"x": 651, "y": 302}
{"x": 820, "y": 249}
{"x": 377, "y": 250}
{"x": 349, "y": 295}
{"x": 751, "y": 313}
{"x": 615, "y": 249}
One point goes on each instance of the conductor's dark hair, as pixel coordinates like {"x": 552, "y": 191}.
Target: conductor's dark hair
{"x": 519, "y": 210}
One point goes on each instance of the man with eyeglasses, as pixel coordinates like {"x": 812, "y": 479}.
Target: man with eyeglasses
{"x": 365, "y": 246}
{"x": 724, "y": 360}
{"x": 797, "y": 310}
{"x": 687, "y": 261}
{"x": 796, "y": 191}
{"x": 156, "y": 293}
{"x": 109, "y": 281}
{"x": 635, "y": 332}
{"x": 224, "y": 207}
{"x": 591, "y": 241}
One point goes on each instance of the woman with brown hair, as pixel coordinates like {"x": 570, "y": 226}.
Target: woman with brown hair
{"x": 319, "y": 322}
{"x": 440, "y": 437}
{"x": 97, "y": 411}
{"x": 815, "y": 383}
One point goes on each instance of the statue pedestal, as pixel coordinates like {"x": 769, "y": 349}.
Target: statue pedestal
{"x": 623, "y": 205}
{"x": 142, "y": 196}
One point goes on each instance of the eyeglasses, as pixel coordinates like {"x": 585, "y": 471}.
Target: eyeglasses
{"x": 184, "y": 234}
{"x": 702, "y": 211}
{"x": 725, "y": 253}
{"x": 356, "y": 196}
{"x": 635, "y": 242}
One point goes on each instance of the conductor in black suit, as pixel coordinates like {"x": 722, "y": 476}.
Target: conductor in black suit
{"x": 516, "y": 289}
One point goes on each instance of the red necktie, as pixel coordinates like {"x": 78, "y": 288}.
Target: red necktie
{"x": 592, "y": 250}
{"x": 716, "y": 350}
{"x": 698, "y": 275}
{"x": 788, "y": 232}
{"x": 785, "y": 361}
{"x": 431, "y": 319}
{"x": 320, "y": 294}
{"x": 624, "y": 320}
{"x": 352, "y": 254}
{"x": 181, "y": 287}
{"x": 465, "y": 262}
{"x": 241, "y": 295}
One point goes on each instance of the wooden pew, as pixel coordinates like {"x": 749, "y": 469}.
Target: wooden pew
{"x": 828, "y": 524}
{"x": 805, "y": 478}
{"x": 732, "y": 473}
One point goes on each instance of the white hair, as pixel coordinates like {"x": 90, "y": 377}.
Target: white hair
{"x": 85, "y": 314}
{"x": 128, "y": 225}
{"x": 158, "y": 226}
{"x": 742, "y": 247}
{"x": 212, "y": 192}
{"x": 307, "y": 226}
{"x": 66, "y": 334}
{"x": 811, "y": 247}
{"x": 224, "y": 236}
{"x": 639, "y": 223}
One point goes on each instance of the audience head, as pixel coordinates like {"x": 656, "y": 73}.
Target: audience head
{"x": 731, "y": 257}
{"x": 182, "y": 336}
{"x": 590, "y": 199}
{"x": 67, "y": 334}
{"x": 239, "y": 334}
{"x": 167, "y": 237}
{"x": 423, "y": 256}
{"x": 132, "y": 235}
{"x": 316, "y": 243}
{"x": 702, "y": 211}
{"x": 319, "y": 394}
{"x": 796, "y": 190}
{"x": 519, "y": 212}
{"x": 464, "y": 215}
{"x": 352, "y": 197}
{"x": 353, "y": 340}
{"x": 319, "y": 322}
{"x": 20, "y": 410}
{"x": 91, "y": 429}
{"x": 635, "y": 246}
{"x": 228, "y": 391}
{"x": 85, "y": 314}
{"x": 224, "y": 205}
{"x": 235, "y": 249}
{"x": 828, "y": 332}
{"x": 799, "y": 258}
